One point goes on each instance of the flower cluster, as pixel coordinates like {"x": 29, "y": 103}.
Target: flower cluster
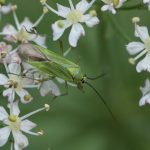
{"x": 20, "y": 74}
{"x": 18, "y": 77}
{"x": 142, "y": 51}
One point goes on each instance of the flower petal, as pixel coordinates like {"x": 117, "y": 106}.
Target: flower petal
{"x": 40, "y": 40}
{"x": 76, "y": 32}
{"x": 14, "y": 108}
{"x": 82, "y": 6}
{"x": 146, "y": 87}
{"x": 145, "y": 100}
{"x": 6, "y": 9}
{"x": 58, "y": 31}
{"x": 27, "y": 125}
{"x": 14, "y": 68}
{"x": 9, "y": 30}
{"x": 21, "y": 140}
{"x": 135, "y": 47}
{"x": 142, "y": 32}
{"x": 92, "y": 22}
{"x": 144, "y": 65}
{"x": 63, "y": 11}
{"x": 4, "y": 135}
{"x": 12, "y": 58}
{"x": 105, "y": 8}
{"x": 120, "y": 3}
{"x": 146, "y": 1}
{"x": 10, "y": 93}
{"x": 27, "y": 24}
{"x": 24, "y": 95}
{"x": 3, "y": 79}
{"x": 3, "y": 113}
{"x": 49, "y": 87}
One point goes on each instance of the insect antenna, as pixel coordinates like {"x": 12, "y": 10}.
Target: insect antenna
{"x": 102, "y": 99}
{"x": 94, "y": 78}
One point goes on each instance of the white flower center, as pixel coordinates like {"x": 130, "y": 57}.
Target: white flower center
{"x": 22, "y": 35}
{"x": 15, "y": 82}
{"x": 75, "y": 16}
{"x": 14, "y": 122}
{"x": 147, "y": 44}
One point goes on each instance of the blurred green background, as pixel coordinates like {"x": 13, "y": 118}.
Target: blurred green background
{"x": 79, "y": 121}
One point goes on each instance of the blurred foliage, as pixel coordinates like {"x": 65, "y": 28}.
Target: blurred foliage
{"x": 79, "y": 121}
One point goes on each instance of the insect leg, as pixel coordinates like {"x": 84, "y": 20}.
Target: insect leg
{"x": 63, "y": 94}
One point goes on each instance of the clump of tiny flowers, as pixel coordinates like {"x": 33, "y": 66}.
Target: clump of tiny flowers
{"x": 112, "y": 5}
{"x": 142, "y": 51}
{"x": 19, "y": 77}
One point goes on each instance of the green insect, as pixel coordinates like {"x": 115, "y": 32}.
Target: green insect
{"x": 56, "y": 66}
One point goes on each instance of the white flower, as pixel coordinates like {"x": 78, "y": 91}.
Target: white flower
{"x": 17, "y": 125}
{"x": 23, "y": 32}
{"x": 110, "y": 5}
{"x": 5, "y": 9}
{"x": 15, "y": 83}
{"x": 47, "y": 86}
{"x": 147, "y": 2}
{"x": 140, "y": 48}
{"x": 73, "y": 16}
{"x": 12, "y": 57}
{"x": 146, "y": 93}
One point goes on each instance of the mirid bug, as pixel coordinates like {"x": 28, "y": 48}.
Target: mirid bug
{"x": 56, "y": 65}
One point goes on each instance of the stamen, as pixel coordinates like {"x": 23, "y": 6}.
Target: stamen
{"x": 51, "y": 9}
{"x": 46, "y": 107}
{"x": 140, "y": 55}
{"x": 11, "y": 147}
{"x": 32, "y": 133}
{"x": 45, "y": 10}
{"x": 71, "y": 4}
{"x": 67, "y": 51}
{"x": 41, "y": 132}
{"x": 16, "y": 20}
{"x": 30, "y": 86}
{"x": 43, "y": 2}
{"x": 136, "y": 28}
{"x": 93, "y": 13}
{"x": 133, "y": 60}
{"x": 90, "y": 4}
{"x": 135, "y": 19}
